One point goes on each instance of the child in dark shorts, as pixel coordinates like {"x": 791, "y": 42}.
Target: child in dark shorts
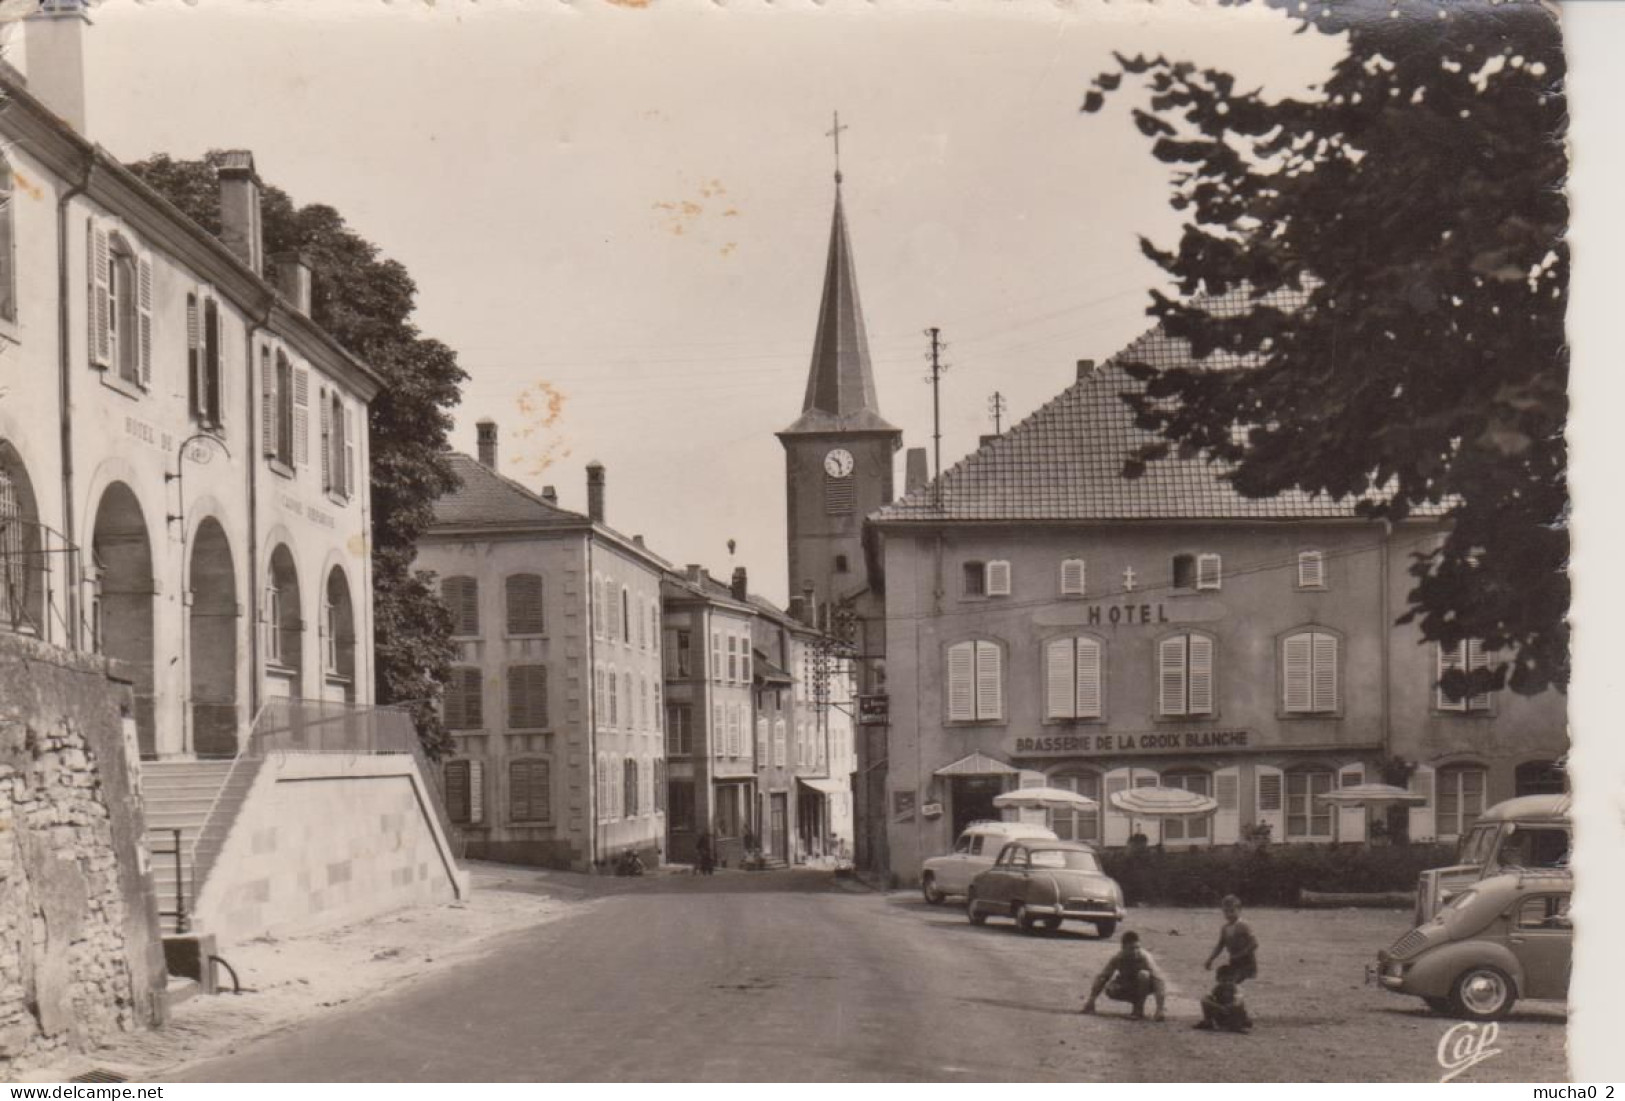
{"x": 1236, "y": 938}
{"x": 1223, "y": 1009}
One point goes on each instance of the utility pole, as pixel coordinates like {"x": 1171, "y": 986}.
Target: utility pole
{"x": 995, "y": 405}
{"x": 937, "y": 367}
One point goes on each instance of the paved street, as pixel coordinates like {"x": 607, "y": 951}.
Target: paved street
{"x": 795, "y": 976}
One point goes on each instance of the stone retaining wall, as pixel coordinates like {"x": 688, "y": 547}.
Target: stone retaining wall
{"x": 80, "y": 952}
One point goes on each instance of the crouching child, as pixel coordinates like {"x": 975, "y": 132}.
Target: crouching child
{"x": 1223, "y": 1008}
{"x": 1130, "y": 976}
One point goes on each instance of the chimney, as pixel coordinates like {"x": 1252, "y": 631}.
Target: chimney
{"x": 637, "y": 541}
{"x": 595, "y": 492}
{"x": 740, "y": 586}
{"x": 240, "y": 208}
{"x": 695, "y": 574}
{"x": 795, "y": 608}
{"x": 486, "y": 430}
{"x": 809, "y": 604}
{"x": 292, "y": 271}
{"x": 916, "y": 472}
{"x": 550, "y": 494}
{"x": 55, "y": 43}
{"x": 1086, "y": 367}
{"x": 987, "y": 439}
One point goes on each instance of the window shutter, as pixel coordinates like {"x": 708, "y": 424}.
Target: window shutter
{"x": 1201, "y": 674}
{"x": 1060, "y": 699}
{"x": 143, "y": 318}
{"x": 524, "y": 593}
{"x": 349, "y": 451}
{"x": 1477, "y": 659}
{"x": 1421, "y": 824}
{"x": 998, "y": 578}
{"x": 1449, "y": 657}
{"x": 1171, "y": 675}
{"x": 1325, "y": 661}
{"x": 989, "y": 682}
{"x": 1270, "y": 806}
{"x": 474, "y": 698}
{"x": 213, "y": 378}
{"x": 527, "y": 697}
{"x": 476, "y": 792}
{"x": 96, "y": 314}
{"x": 1089, "y": 679}
{"x": 328, "y": 428}
{"x": 1311, "y": 570}
{"x": 1207, "y": 571}
{"x": 301, "y": 415}
{"x": 961, "y": 672}
{"x": 268, "y": 404}
{"x": 780, "y": 742}
{"x": 1227, "y": 819}
{"x": 194, "y": 358}
{"x": 1115, "y": 823}
{"x": 1297, "y": 659}
{"x": 1351, "y": 821}
{"x": 763, "y": 750}
{"x": 1072, "y": 577}
{"x": 457, "y": 791}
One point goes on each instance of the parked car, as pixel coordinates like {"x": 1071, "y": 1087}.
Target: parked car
{"x": 1532, "y": 831}
{"x": 1039, "y": 883}
{"x": 978, "y": 846}
{"x": 1501, "y": 939}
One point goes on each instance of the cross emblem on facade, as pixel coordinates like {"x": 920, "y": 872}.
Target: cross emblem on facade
{"x": 1128, "y": 579}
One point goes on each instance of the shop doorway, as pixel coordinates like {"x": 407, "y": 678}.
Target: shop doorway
{"x": 972, "y": 798}
{"x": 778, "y": 827}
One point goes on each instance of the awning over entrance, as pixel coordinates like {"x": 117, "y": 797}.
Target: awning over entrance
{"x": 977, "y": 764}
{"x": 827, "y": 787}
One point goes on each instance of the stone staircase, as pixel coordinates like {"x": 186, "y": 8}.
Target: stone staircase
{"x": 201, "y": 799}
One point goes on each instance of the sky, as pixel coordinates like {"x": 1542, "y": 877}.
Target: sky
{"x": 618, "y": 217}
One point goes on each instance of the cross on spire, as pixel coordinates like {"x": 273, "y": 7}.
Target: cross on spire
{"x": 836, "y": 134}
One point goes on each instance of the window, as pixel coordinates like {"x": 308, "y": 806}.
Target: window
{"x": 975, "y": 682}
{"x": 286, "y": 404}
{"x": 975, "y": 579}
{"x": 1308, "y": 817}
{"x": 998, "y": 578}
{"x": 599, "y": 706}
{"x": 629, "y": 787}
{"x": 1072, "y": 825}
{"x": 733, "y": 659}
{"x": 654, "y": 621}
{"x": 763, "y": 738}
{"x": 1311, "y": 569}
{"x": 1073, "y": 576}
{"x": 524, "y": 593}
{"x": 1192, "y": 829}
{"x": 203, "y": 378}
{"x": 626, "y": 615}
{"x": 338, "y": 628}
{"x": 8, "y": 255}
{"x": 1545, "y": 912}
{"x": 1540, "y": 778}
{"x": 660, "y": 786}
{"x": 744, "y": 660}
{"x": 1073, "y": 668}
{"x": 679, "y": 730}
{"x": 1184, "y": 571}
{"x": 680, "y": 653}
{"x": 644, "y": 710}
{"x": 465, "y": 792}
{"x": 1185, "y": 675}
{"x": 602, "y": 787}
{"x": 527, "y": 697}
{"x": 275, "y": 612}
{"x": 627, "y": 716}
{"x": 1207, "y": 571}
{"x": 1464, "y": 657}
{"x": 613, "y": 691}
{"x": 716, "y": 656}
{"x": 643, "y": 637}
{"x": 840, "y": 563}
{"x": 781, "y": 738}
{"x": 120, "y": 313}
{"x": 461, "y": 596}
{"x": 1309, "y": 673}
{"x": 464, "y": 700}
{"x": 1459, "y": 799}
{"x": 530, "y": 791}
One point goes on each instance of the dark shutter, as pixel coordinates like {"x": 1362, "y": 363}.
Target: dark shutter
{"x": 527, "y": 697}
{"x": 462, "y": 598}
{"x": 211, "y": 365}
{"x": 525, "y": 604}
{"x": 530, "y": 791}
{"x": 457, "y": 792}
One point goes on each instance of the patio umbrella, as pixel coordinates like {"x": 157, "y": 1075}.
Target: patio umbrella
{"x": 1045, "y": 799}
{"x": 1160, "y": 803}
{"x": 1372, "y": 795}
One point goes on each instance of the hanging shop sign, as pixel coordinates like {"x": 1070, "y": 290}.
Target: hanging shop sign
{"x": 874, "y": 709}
{"x": 1132, "y": 741}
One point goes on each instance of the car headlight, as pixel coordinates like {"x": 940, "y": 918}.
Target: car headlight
{"x": 1394, "y": 970}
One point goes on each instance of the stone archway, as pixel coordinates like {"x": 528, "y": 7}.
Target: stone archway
{"x": 122, "y": 599}
{"x": 212, "y": 643}
{"x": 338, "y": 639}
{"x": 285, "y": 627}
{"x": 24, "y": 568}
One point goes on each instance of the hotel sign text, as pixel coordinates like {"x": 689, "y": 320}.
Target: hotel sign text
{"x": 1132, "y": 741}
{"x": 1115, "y": 614}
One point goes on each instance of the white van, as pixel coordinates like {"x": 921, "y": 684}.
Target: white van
{"x": 976, "y": 850}
{"x": 1527, "y": 833}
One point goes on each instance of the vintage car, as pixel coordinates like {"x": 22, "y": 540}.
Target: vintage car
{"x": 978, "y": 846}
{"x": 1040, "y": 883}
{"x": 1501, "y": 939}
{"x": 1531, "y": 831}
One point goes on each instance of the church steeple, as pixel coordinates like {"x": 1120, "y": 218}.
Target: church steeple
{"x": 840, "y": 384}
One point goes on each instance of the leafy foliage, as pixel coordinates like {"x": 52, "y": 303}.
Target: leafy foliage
{"x": 1415, "y": 207}
{"x": 365, "y": 301}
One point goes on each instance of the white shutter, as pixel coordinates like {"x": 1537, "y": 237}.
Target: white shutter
{"x": 1060, "y": 698}
{"x": 328, "y": 428}
{"x": 143, "y": 318}
{"x": 301, "y": 416}
{"x": 961, "y": 673}
{"x": 1171, "y": 675}
{"x": 1311, "y": 570}
{"x": 98, "y": 292}
{"x": 1351, "y": 820}
{"x": 989, "y": 682}
{"x": 1207, "y": 571}
{"x": 1477, "y": 659}
{"x": 1072, "y": 577}
{"x": 1422, "y": 826}
{"x": 349, "y": 451}
{"x": 268, "y": 403}
{"x": 476, "y": 791}
{"x": 1227, "y": 819}
{"x": 998, "y": 578}
{"x": 1114, "y": 823}
{"x": 1201, "y": 686}
{"x": 1297, "y": 659}
{"x": 1449, "y": 657}
{"x": 1089, "y": 681}
{"x": 194, "y": 356}
{"x": 1325, "y": 662}
{"x": 1270, "y": 803}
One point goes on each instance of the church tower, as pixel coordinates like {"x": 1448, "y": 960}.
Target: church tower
{"x": 838, "y": 453}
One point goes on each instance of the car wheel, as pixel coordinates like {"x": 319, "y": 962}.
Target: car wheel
{"x": 1049, "y": 924}
{"x": 973, "y": 910}
{"x": 933, "y": 894}
{"x": 1023, "y": 920}
{"x": 1482, "y": 994}
{"x": 1105, "y": 929}
{"x": 1438, "y": 1005}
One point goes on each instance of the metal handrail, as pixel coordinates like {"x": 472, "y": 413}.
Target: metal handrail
{"x": 28, "y": 549}
{"x": 183, "y": 920}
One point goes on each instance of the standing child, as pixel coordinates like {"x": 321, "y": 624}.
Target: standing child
{"x": 1236, "y": 938}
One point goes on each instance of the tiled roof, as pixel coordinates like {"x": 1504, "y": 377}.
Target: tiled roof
{"x": 487, "y": 499}
{"x": 1065, "y": 461}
